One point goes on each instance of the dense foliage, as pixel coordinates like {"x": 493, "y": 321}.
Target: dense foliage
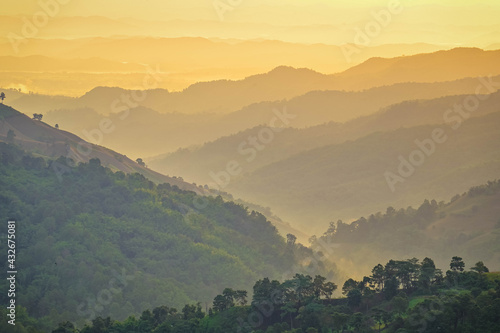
{"x": 405, "y": 296}
{"x": 97, "y": 243}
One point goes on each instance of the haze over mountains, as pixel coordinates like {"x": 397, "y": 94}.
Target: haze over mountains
{"x": 178, "y": 71}
{"x": 197, "y": 147}
{"x": 318, "y": 179}
{"x": 345, "y": 106}
{"x": 214, "y": 121}
{"x": 198, "y": 162}
{"x": 467, "y": 224}
{"x": 250, "y": 102}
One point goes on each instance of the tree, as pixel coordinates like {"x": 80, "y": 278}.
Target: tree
{"x": 2, "y": 96}
{"x": 265, "y": 290}
{"x": 229, "y": 298}
{"x": 302, "y": 285}
{"x": 220, "y": 303}
{"x": 427, "y": 273}
{"x": 160, "y": 314}
{"x": 328, "y": 289}
{"x": 480, "y": 268}
{"x": 10, "y": 136}
{"x": 349, "y": 285}
{"x": 318, "y": 283}
{"x": 37, "y": 116}
{"x": 140, "y": 162}
{"x": 378, "y": 276}
{"x": 322, "y": 288}
{"x": 457, "y": 264}
{"x": 57, "y": 126}
{"x": 192, "y": 312}
{"x": 290, "y": 239}
{"x": 391, "y": 288}
{"x": 66, "y": 327}
{"x": 331, "y": 230}
{"x": 240, "y": 297}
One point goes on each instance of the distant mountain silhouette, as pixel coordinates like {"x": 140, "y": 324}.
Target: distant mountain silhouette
{"x": 348, "y": 180}
{"x": 196, "y": 163}
{"x": 428, "y": 67}
{"x": 225, "y": 96}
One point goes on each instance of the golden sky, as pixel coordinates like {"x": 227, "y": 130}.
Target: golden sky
{"x": 76, "y": 27}
{"x": 453, "y": 22}
{"x": 204, "y": 9}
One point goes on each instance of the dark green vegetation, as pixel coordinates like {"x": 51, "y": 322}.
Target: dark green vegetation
{"x": 96, "y": 242}
{"x": 468, "y": 225}
{"x": 402, "y": 296}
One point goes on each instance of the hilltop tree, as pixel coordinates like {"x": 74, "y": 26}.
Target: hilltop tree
{"x": 192, "y": 311}
{"x": 140, "y": 162}
{"x": 457, "y": 264}
{"x": 228, "y": 299}
{"x": 37, "y": 116}
{"x": 2, "y": 96}
{"x": 323, "y": 288}
{"x": 480, "y": 268}
{"x": 349, "y": 285}
{"x": 265, "y": 290}
{"x": 57, "y": 126}
{"x": 378, "y": 276}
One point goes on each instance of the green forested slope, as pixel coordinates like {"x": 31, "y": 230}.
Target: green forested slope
{"x": 104, "y": 243}
{"x": 402, "y": 296}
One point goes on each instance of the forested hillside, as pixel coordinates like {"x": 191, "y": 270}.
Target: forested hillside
{"x": 104, "y": 243}
{"x": 468, "y": 225}
{"x": 402, "y": 296}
